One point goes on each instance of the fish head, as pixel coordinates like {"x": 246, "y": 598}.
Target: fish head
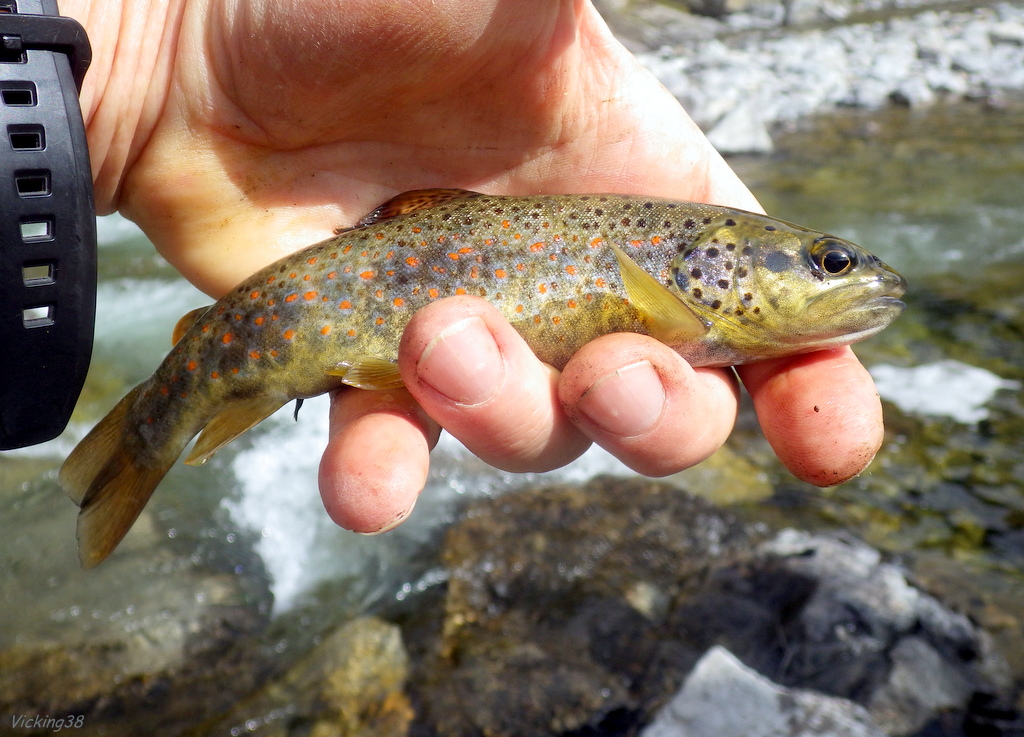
{"x": 767, "y": 288}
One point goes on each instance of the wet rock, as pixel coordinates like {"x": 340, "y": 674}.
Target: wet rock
{"x": 581, "y": 610}
{"x": 741, "y": 131}
{"x": 141, "y": 639}
{"x": 724, "y": 698}
{"x": 350, "y": 684}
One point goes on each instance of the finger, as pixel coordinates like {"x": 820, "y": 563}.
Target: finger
{"x": 820, "y": 413}
{"x": 376, "y": 460}
{"x": 645, "y": 405}
{"x": 477, "y": 377}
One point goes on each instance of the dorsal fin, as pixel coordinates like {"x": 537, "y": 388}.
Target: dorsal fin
{"x": 186, "y": 322}
{"x": 414, "y": 201}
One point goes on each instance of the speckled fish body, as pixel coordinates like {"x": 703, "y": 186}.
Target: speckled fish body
{"x": 718, "y": 285}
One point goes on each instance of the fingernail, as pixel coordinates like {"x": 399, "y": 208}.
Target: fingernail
{"x": 463, "y": 363}
{"x": 626, "y": 402}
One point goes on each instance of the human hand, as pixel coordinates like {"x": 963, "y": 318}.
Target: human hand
{"x": 237, "y": 132}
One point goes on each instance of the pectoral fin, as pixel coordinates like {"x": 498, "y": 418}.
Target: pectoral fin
{"x": 368, "y": 372}
{"x": 666, "y": 316}
{"x": 231, "y": 423}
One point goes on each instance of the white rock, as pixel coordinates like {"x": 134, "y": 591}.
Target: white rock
{"x": 742, "y": 130}
{"x": 724, "y": 698}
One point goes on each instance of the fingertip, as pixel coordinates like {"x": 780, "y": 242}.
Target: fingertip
{"x": 820, "y": 412}
{"x": 376, "y": 461}
{"x": 643, "y": 403}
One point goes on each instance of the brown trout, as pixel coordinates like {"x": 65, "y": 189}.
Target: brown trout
{"x": 718, "y": 285}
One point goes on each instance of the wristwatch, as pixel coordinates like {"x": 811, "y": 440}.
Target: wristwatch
{"x": 47, "y": 222}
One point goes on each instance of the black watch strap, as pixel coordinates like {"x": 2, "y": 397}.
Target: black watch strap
{"x": 47, "y": 222}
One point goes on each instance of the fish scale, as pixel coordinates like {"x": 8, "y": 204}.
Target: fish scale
{"x": 718, "y": 285}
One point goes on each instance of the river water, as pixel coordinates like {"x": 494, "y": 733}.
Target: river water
{"x": 932, "y": 194}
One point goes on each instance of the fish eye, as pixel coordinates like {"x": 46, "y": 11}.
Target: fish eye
{"x": 833, "y": 257}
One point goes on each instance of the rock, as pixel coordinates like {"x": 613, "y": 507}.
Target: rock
{"x": 724, "y": 698}
{"x": 349, "y": 685}
{"x": 141, "y": 639}
{"x": 581, "y": 609}
{"x": 741, "y": 130}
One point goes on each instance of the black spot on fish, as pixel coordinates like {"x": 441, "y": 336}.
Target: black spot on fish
{"x": 696, "y": 273}
{"x": 723, "y": 284}
{"x": 648, "y": 205}
{"x": 689, "y": 223}
{"x": 641, "y": 223}
{"x": 671, "y": 205}
{"x": 626, "y": 222}
{"x": 728, "y": 265}
{"x": 730, "y": 222}
{"x": 599, "y": 212}
{"x": 697, "y": 293}
{"x": 716, "y": 304}
{"x": 667, "y": 224}
{"x": 777, "y": 261}
{"x": 730, "y": 246}
{"x": 748, "y": 297}
{"x": 741, "y": 272}
{"x": 757, "y": 310}
{"x": 747, "y": 250}
{"x": 769, "y": 227}
{"x": 711, "y": 253}
{"x": 706, "y": 221}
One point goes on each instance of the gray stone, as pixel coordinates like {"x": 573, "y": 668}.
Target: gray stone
{"x": 724, "y": 698}
{"x": 742, "y": 130}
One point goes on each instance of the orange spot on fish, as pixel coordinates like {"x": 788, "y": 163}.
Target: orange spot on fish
{"x": 346, "y": 249}
{"x": 165, "y": 391}
{"x": 552, "y": 257}
{"x": 379, "y": 321}
{"x": 254, "y": 355}
{"x": 288, "y": 334}
{"x": 293, "y": 275}
{"x": 596, "y": 242}
{"x": 539, "y": 246}
{"x": 379, "y": 293}
{"x": 192, "y": 365}
{"x": 412, "y": 261}
{"x": 519, "y": 308}
{"x": 238, "y": 317}
{"x": 214, "y": 375}
{"x": 271, "y": 280}
{"x": 273, "y": 318}
{"x": 307, "y": 277}
{"x": 572, "y": 304}
{"x": 467, "y": 249}
{"x": 311, "y": 260}
{"x": 366, "y": 275}
{"x": 655, "y": 240}
{"x": 398, "y": 301}
{"x": 221, "y": 310}
{"x": 352, "y": 333}
{"x": 453, "y": 256}
{"x": 390, "y": 272}
{"x": 570, "y": 270}
{"x": 460, "y": 290}
{"x": 536, "y": 320}
{"x": 542, "y": 288}
{"x": 254, "y": 294}
{"x": 489, "y": 242}
{"x": 520, "y": 267}
{"x": 271, "y": 302}
{"x": 273, "y": 353}
{"x": 344, "y": 305}
{"x": 556, "y": 319}
{"x": 433, "y": 293}
{"x": 347, "y": 269}
{"x": 206, "y": 328}
{"x": 417, "y": 230}
{"x": 309, "y": 296}
{"x": 380, "y": 236}
{"x": 235, "y": 370}
{"x": 506, "y": 224}
{"x": 474, "y": 273}
{"x": 499, "y": 273}
{"x": 635, "y": 244}
{"x": 599, "y": 282}
{"x": 228, "y": 337}
{"x": 389, "y": 255}
{"x": 325, "y": 330}
{"x": 291, "y": 298}
{"x": 332, "y": 275}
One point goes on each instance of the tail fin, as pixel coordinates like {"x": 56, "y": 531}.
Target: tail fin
{"x": 109, "y": 484}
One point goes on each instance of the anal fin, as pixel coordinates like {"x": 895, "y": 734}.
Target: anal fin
{"x": 230, "y": 423}
{"x": 368, "y": 372}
